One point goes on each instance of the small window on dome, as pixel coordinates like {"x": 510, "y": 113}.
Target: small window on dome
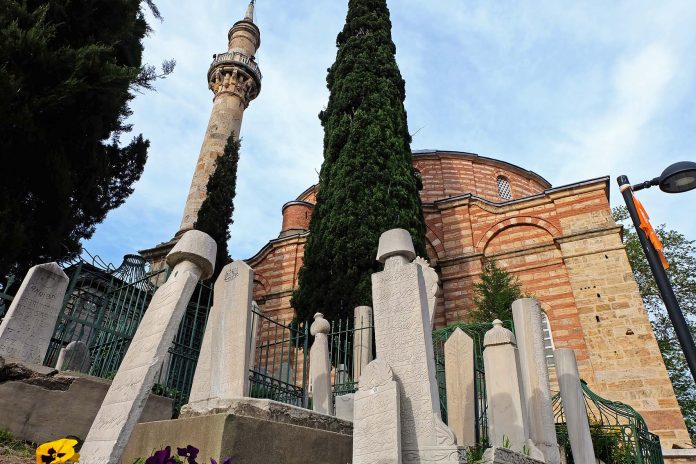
{"x": 548, "y": 340}
{"x": 504, "y": 190}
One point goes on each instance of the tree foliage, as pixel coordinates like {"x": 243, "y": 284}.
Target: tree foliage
{"x": 367, "y": 183}
{"x": 68, "y": 70}
{"x": 494, "y": 294}
{"x": 681, "y": 255}
{"x": 215, "y": 215}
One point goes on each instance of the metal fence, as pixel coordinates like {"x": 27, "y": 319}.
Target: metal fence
{"x": 6, "y": 295}
{"x": 103, "y": 308}
{"x": 619, "y": 433}
{"x": 279, "y": 360}
{"x": 476, "y": 332}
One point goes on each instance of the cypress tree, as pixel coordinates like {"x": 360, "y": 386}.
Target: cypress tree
{"x": 494, "y": 295}
{"x": 68, "y": 70}
{"x": 367, "y": 183}
{"x": 215, "y": 216}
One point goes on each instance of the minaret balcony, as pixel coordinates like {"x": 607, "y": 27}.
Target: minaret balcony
{"x": 233, "y": 59}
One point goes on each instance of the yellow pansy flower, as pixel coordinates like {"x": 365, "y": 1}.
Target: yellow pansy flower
{"x": 57, "y": 452}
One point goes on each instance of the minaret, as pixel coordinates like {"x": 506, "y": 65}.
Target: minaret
{"x": 235, "y": 79}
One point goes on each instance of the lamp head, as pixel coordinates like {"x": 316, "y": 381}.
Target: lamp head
{"x": 679, "y": 177}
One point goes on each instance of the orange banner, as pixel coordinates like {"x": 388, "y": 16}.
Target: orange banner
{"x": 649, "y": 231}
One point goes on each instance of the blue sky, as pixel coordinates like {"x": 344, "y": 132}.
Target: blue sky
{"x": 571, "y": 90}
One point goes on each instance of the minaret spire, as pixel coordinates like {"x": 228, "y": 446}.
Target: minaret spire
{"x": 235, "y": 79}
{"x": 250, "y": 11}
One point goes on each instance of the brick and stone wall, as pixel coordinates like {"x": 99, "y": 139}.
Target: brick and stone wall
{"x": 561, "y": 243}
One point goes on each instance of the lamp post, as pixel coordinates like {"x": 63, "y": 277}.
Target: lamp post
{"x": 677, "y": 178}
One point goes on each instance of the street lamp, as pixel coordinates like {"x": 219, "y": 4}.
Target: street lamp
{"x": 677, "y": 178}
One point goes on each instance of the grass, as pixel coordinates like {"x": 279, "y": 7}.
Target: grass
{"x": 15, "y": 451}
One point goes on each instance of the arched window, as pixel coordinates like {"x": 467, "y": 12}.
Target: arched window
{"x": 548, "y": 340}
{"x": 504, "y": 190}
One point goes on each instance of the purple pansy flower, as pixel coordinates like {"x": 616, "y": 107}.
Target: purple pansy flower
{"x": 190, "y": 453}
{"x": 161, "y": 457}
{"x": 224, "y": 461}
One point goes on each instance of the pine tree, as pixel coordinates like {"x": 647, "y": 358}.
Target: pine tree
{"x": 681, "y": 255}
{"x": 367, "y": 183}
{"x": 215, "y": 216}
{"x": 494, "y": 295}
{"x": 68, "y": 70}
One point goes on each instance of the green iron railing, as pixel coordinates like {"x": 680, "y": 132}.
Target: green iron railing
{"x": 279, "y": 360}
{"x": 5, "y": 296}
{"x": 619, "y": 433}
{"x": 346, "y": 347}
{"x": 476, "y": 332}
{"x": 103, "y": 308}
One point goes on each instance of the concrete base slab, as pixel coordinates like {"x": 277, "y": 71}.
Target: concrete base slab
{"x": 39, "y": 404}
{"x": 679, "y": 456}
{"x": 249, "y": 440}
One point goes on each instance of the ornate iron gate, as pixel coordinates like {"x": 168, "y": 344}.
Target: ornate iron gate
{"x": 619, "y": 433}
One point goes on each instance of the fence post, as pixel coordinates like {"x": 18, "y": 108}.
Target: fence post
{"x": 320, "y": 367}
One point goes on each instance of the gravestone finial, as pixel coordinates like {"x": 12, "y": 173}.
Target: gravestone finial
{"x": 395, "y": 242}
{"x": 499, "y": 335}
{"x": 196, "y": 247}
{"x": 320, "y": 325}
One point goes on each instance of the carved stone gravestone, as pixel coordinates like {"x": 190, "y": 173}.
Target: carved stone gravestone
{"x": 376, "y": 423}
{"x": 459, "y": 377}
{"x": 27, "y": 328}
{"x": 192, "y": 258}
{"x": 535, "y": 377}
{"x": 362, "y": 339}
{"x": 74, "y": 357}
{"x": 404, "y": 341}
{"x": 222, "y": 372}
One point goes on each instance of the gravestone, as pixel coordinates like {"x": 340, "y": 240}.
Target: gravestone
{"x": 507, "y": 415}
{"x": 459, "y": 378}
{"x": 432, "y": 286}
{"x": 222, "y": 372}
{"x": 362, "y": 339}
{"x": 26, "y": 329}
{"x": 320, "y": 366}
{"x": 376, "y": 422}
{"x": 404, "y": 341}
{"x": 192, "y": 258}
{"x": 74, "y": 357}
{"x": 535, "y": 377}
{"x": 574, "y": 408}
{"x": 345, "y": 405}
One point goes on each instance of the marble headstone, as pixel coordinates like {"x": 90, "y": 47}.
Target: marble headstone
{"x": 223, "y": 367}
{"x": 26, "y": 329}
{"x": 74, "y": 357}
{"x": 535, "y": 377}
{"x": 192, "y": 258}
{"x": 459, "y": 377}
{"x": 376, "y": 422}
{"x": 320, "y": 366}
{"x": 404, "y": 341}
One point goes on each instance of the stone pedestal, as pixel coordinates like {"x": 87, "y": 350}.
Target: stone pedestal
{"x": 252, "y": 431}
{"x": 404, "y": 341}
{"x": 26, "y": 329}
